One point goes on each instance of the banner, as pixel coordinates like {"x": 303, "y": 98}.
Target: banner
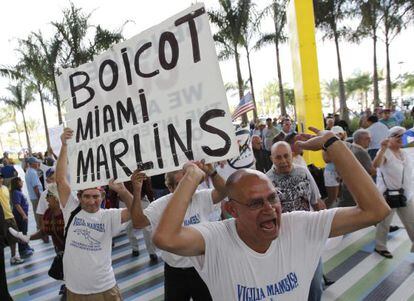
{"x": 154, "y": 101}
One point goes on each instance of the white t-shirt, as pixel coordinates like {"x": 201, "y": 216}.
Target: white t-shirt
{"x": 87, "y": 261}
{"x": 43, "y": 204}
{"x": 198, "y": 211}
{"x": 233, "y": 271}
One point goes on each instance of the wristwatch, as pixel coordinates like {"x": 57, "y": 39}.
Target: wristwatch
{"x": 329, "y": 142}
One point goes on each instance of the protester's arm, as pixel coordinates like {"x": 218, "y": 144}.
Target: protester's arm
{"x": 219, "y": 192}
{"x": 62, "y": 182}
{"x": 371, "y": 207}
{"x": 21, "y": 211}
{"x": 139, "y": 220}
{"x": 380, "y": 158}
{"x": 36, "y": 191}
{"x": 170, "y": 234}
{"x": 125, "y": 196}
{"x": 319, "y": 205}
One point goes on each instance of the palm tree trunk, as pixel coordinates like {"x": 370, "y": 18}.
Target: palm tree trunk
{"x": 27, "y": 134}
{"x": 17, "y": 128}
{"x": 44, "y": 118}
{"x": 1, "y": 145}
{"x": 280, "y": 81}
{"x": 251, "y": 84}
{"x": 334, "y": 104}
{"x": 375, "y": 72}
{"x": 239, "y": 81}
{"x": 388, "y": 98}
{"x": 342, "y": 99}
{"x": 58, "y": 102}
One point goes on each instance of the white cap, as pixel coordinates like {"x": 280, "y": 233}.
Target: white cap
{"x": 396, "y": 131}
{"x": 337, "y": 129}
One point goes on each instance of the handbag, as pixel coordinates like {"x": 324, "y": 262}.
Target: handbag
{"x": 395, "y": 197}
{"x": 56, "y": 269}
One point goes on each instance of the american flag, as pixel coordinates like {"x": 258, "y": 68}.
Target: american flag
{"x": 245, "y": 105}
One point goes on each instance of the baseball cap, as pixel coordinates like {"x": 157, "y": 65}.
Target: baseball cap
{"x": 396, "y": 131}
{"x": 50, "y": 172}
{"x": 33, "y": 160}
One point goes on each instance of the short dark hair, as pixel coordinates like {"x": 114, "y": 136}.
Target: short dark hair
{"x": 269, "y": 119}
{"x": 372, "y": 119}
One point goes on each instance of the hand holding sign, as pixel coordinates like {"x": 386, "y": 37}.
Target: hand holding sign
{"x": 66, "y": 135}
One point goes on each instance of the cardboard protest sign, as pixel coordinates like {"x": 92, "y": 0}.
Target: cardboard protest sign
{"x": 155, "y": 101}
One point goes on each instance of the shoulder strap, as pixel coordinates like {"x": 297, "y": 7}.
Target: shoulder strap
{"x": 72, "y": 215}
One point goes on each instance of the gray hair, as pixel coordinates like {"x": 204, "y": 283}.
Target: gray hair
{"x": 359, "y": 133}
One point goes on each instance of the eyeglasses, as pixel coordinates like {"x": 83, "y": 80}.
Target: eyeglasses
{"x": 397, "y": 136}
{"x": 259, "y": 203}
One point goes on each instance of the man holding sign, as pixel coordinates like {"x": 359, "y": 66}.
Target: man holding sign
{"x": 87, "y": 263}
{"x": 262, "y": 254}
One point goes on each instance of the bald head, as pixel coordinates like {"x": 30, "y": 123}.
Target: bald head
{"x": 241, "y": 179}
{"x": 281, "y": 156}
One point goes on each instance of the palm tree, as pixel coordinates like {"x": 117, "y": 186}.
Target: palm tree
{"x": 73, "y": 32}
{"x": 250, "y": 33}
{"x": 331, "y": 91}
{"x": 369, "y": 12}
{"x": 360, "y": 83}
{"x": 232, "y": 21}
{"x": 393, "y": 21}
{"x": 50, "y": 51}
{"x": 277, "y": 9}
{"x": 328, "y": 16}
{"x": 22, "y": 95}
{"x": 35, "y": 69}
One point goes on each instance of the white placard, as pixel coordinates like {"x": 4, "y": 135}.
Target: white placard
{"x": 156, "y": 101}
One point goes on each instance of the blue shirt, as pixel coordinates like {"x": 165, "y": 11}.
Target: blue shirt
{"x": 8, "y": 171}
{"x": 32, "y": 180}
{"x": 18, "y": 198}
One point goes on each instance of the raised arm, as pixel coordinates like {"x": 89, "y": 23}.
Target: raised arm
{"x": 371, "y": 207}
{"x": 62, "y": 182}
{"x": 379, "y": 158}
{"x": 125, "y": 196}
{"x": 170, "y": 234}
{"x": 219, "y": 192}
{"x": 139, "y": 220}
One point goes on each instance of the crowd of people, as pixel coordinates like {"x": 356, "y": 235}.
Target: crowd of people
{"x": 267, "y": 240}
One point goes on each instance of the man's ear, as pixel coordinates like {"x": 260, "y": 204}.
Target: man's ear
{"x": 231, "y": 209}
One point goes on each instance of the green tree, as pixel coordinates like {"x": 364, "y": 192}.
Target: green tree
{"x": 34, "y": 66}
{"x": 232, "y": 19}
{"x": 360, "y": 83}
{"x": 408, "y": 82}
{"x": 271, "y": 99}
{"x": 22, "y": 95}
{"x": 393, "y": 21}
{"x": 249, "y": 46}
{"x": 277, "y": 10}
{"x": 49, "y": 53}
{"x": 73, "y": 31}
{"x": 329, "y": 15}
{"x": 369, "y": 24}
{"x": 331, "y": 90}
